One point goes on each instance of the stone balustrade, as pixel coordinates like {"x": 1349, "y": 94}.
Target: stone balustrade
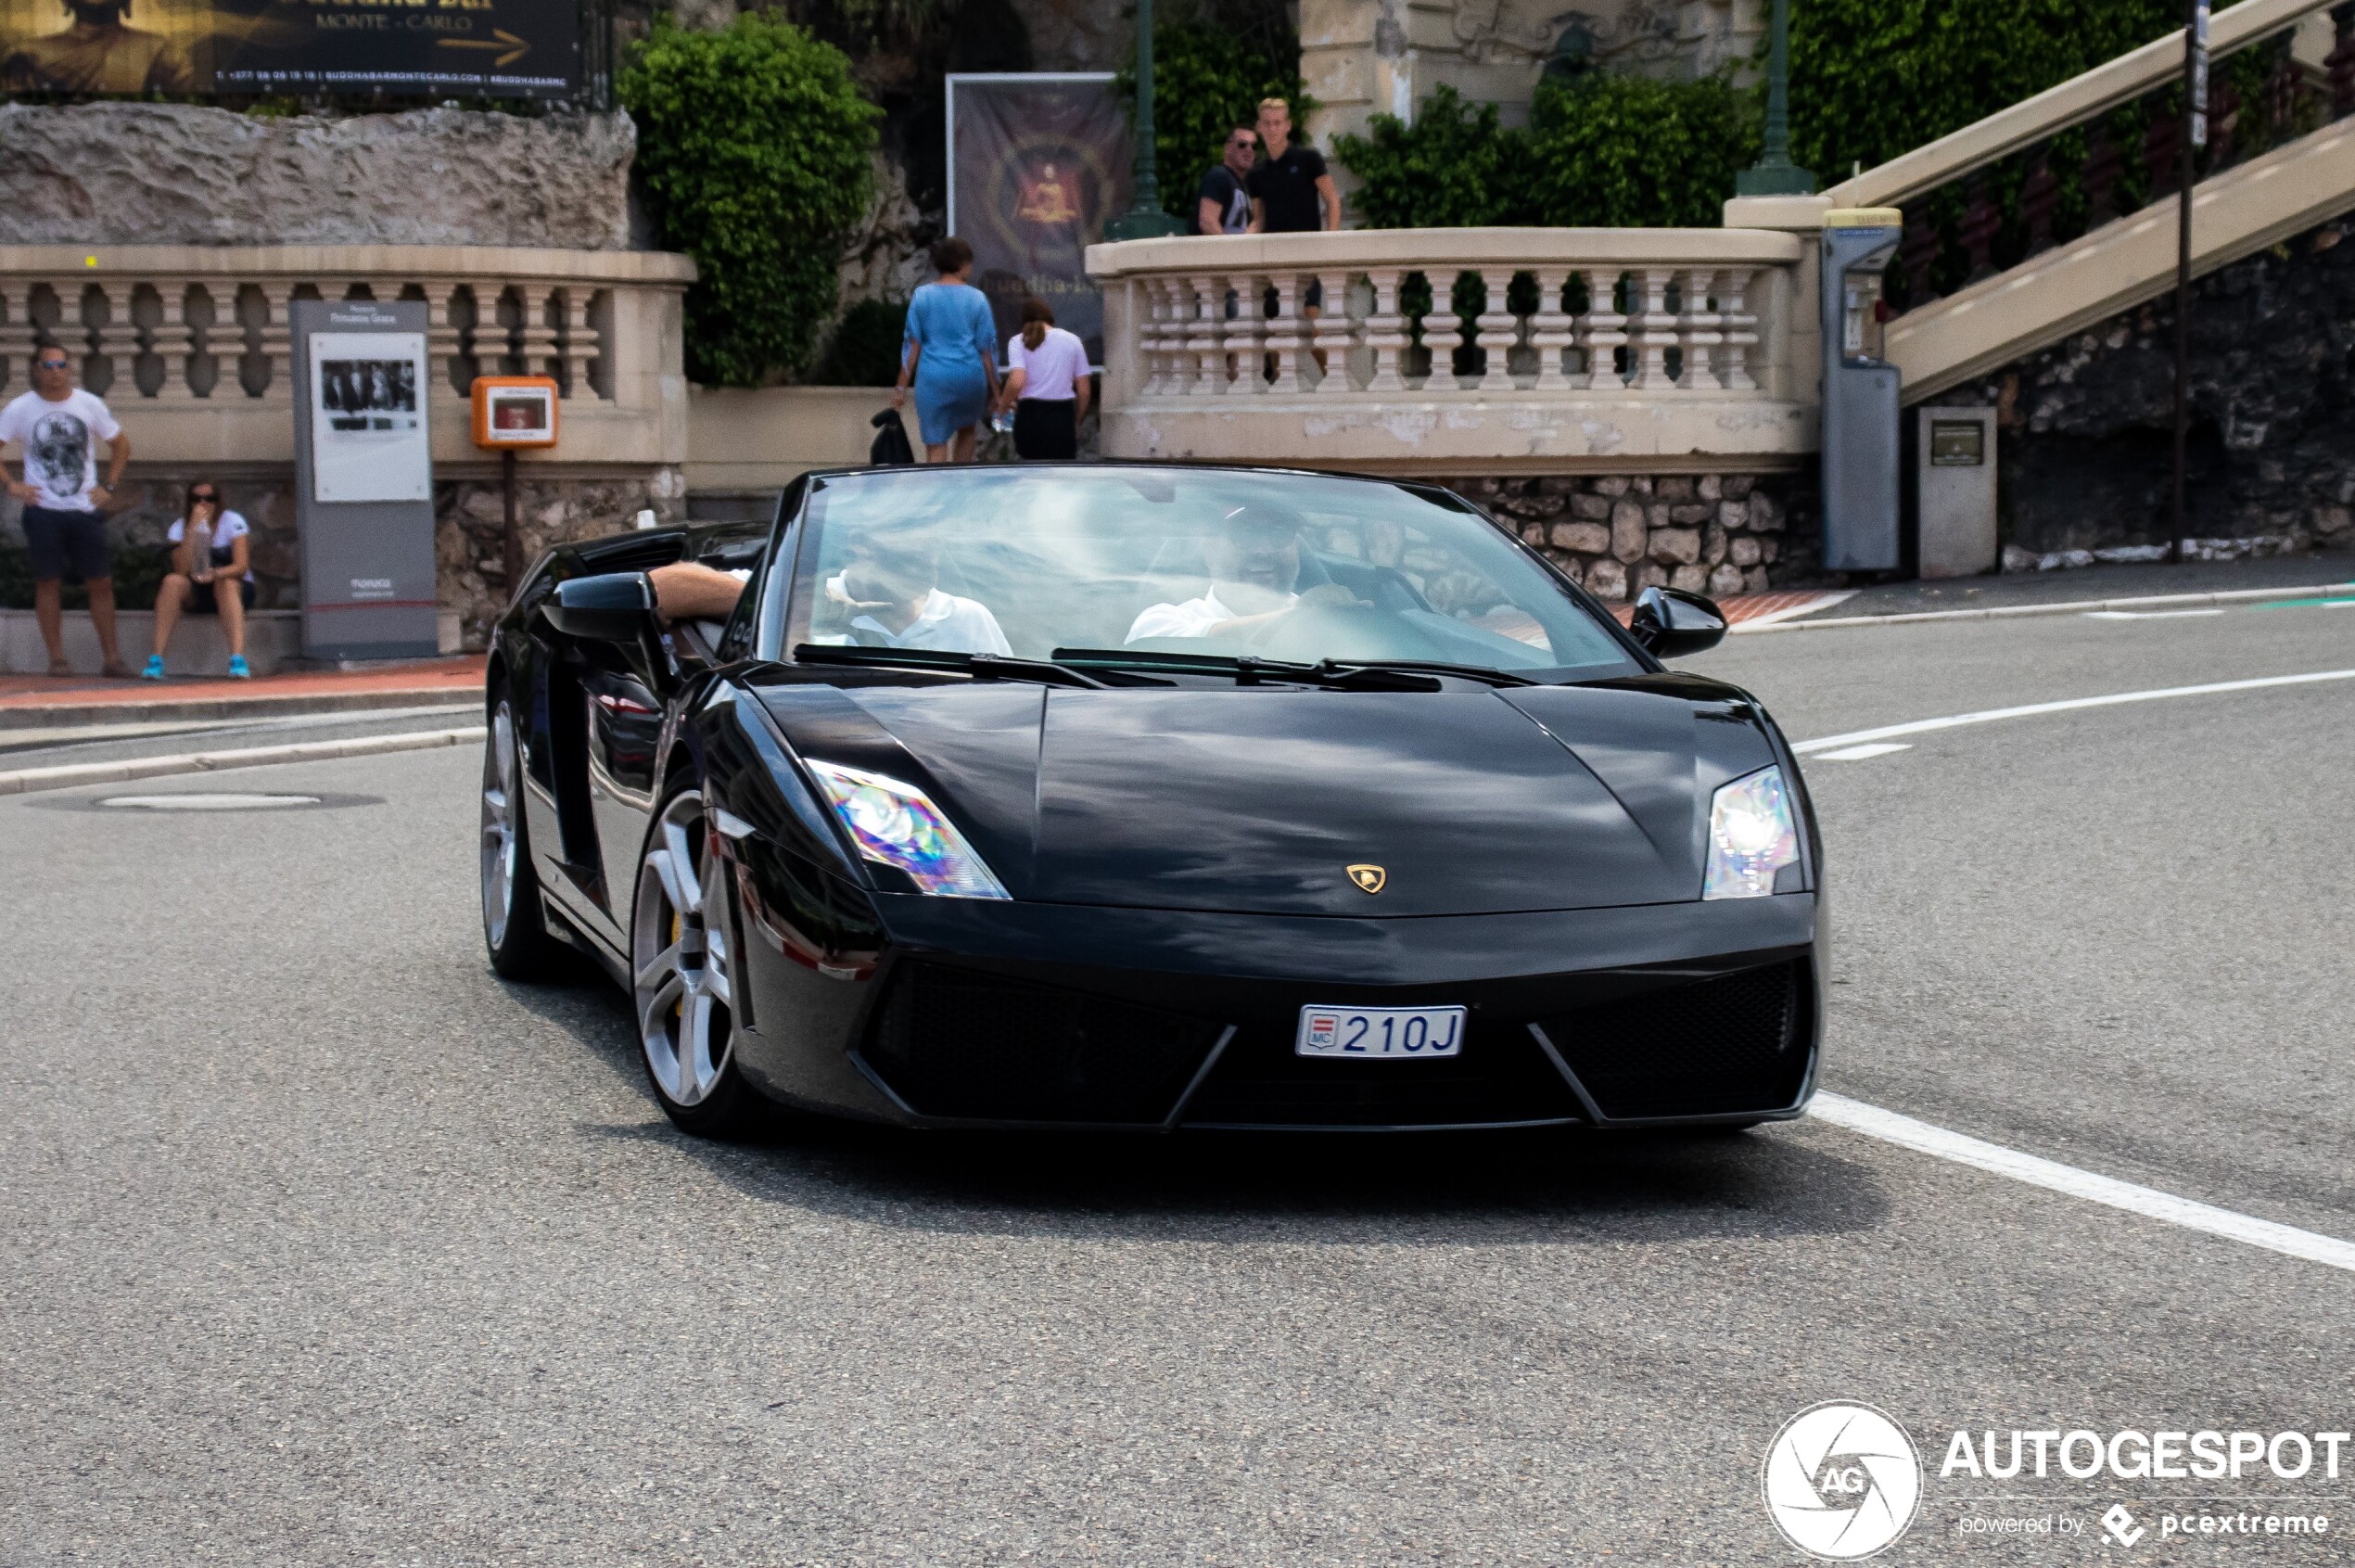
{"x": 191, "y": 344}
{"x": 1447, "y": 351}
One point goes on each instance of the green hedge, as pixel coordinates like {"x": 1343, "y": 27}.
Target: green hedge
{"x": 1870, "y": 80}
{"x": 1207, "y": 79}
{"x": 1606, "y": 151}
{"x": 753, "y": 146}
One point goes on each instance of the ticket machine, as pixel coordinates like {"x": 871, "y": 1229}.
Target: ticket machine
{"x": 1860, "y": 393}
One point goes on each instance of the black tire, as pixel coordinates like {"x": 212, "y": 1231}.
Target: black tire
{"x": 683, "y": 958}
{"x": 514, "y": 927}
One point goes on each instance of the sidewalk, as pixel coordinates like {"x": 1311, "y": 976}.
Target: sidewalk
{"x": 2017, "y": 589}
{"x": 33, "y": 700}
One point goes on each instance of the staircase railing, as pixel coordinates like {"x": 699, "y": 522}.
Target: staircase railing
{"x": 2103, "y": 145}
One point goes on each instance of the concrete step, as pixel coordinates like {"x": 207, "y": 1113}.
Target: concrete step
{"x": 274, "y": 642}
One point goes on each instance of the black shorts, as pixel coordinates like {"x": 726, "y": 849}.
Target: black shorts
{"x": 1045, "y": 428}
{"x": 66, "y": 543}
{"x": 201, "y": 600}
{"x": 1311, "y": 298}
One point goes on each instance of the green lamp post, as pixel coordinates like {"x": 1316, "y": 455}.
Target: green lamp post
{"x": 1144, "y": 218}
{"x": 1775, "y": 174}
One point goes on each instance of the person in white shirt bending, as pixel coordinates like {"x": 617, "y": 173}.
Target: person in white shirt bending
{"x": 1047, "y": 386}
{"x": 211, "y": 574}
{"x": 1255, "y": 572}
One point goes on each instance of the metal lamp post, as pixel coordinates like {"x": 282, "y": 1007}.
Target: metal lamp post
{"x": 1775, "y": 174}
{"x": 1144, "y": 218}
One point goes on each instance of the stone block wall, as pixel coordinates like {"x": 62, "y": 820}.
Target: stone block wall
{"x": 2085, "y": 429}
{"x": 468, "y": 521}
{"x": 1618, "y": 534}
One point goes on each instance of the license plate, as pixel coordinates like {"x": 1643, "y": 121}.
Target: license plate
{"x": 1391, "y": 1032}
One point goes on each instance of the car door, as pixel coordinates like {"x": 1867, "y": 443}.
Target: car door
{"x": 627, "y": 690}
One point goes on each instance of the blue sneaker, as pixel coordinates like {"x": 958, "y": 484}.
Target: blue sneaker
{"x": 155, "y": 667}
{"x": 238, "y": 670}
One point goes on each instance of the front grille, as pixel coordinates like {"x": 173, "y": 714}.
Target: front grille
{"x": 1722, "y": 1046}
{"x": 1500, "y": 1077}
{"x": 957, "y": 1042}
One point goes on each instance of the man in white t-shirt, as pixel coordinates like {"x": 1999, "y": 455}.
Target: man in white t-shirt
{"x": 59, "y": 427}
{"x": 1255, "y": 572}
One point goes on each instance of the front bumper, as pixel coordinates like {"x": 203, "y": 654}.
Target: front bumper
{"x": 1008, "y": 1015}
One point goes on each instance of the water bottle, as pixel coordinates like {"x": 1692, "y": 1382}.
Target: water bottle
{"x": 1002, "y": 421}
{"x": 200, "y": 552}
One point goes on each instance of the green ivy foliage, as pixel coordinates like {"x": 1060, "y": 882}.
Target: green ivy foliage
{"x": 1609, "y": 151}
{"x": 1455, "y": 167}
{"x": 753, "y": 146}
{"x": 1207, "y": 79}
{"x": 1872, "y": 79}
{"x": 1632, "y": 152}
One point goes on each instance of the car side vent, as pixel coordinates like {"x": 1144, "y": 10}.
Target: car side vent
{"x": 1722, "y": 1046}
{"x": 958, "y": 1042}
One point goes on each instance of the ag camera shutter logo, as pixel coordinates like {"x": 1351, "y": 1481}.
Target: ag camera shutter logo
{"x": 1843, "y": 1481}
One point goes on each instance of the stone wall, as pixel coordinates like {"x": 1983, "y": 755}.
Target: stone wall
{"x": 469, "y": 517}
{"x": 2086, "y": 428}
{"x": 1618, "y": 534}
{"x": 133, "y": 174}
{"x": 470, "y": 523}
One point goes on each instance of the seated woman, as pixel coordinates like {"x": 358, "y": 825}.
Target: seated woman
{"x": 210, "y": 550}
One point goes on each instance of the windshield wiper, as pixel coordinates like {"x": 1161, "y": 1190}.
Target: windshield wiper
{"x": 1429, "y": 667}
{"x": 987, "y": 667}
{"x": 1250, "y": 670}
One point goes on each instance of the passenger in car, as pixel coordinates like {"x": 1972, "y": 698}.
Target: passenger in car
{"x": 1254, "y": 580}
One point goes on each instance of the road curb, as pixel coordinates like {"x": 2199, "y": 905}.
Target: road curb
{"x": 2072, "y": 606}
{"x": 28, "y": 781}
{"x": 42, "y": 716}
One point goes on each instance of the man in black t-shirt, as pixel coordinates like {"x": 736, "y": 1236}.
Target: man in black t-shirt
{"x": 1290, "y": 191}
{"x": 1225, "y": 205}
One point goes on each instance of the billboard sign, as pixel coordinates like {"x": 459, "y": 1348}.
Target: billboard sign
{"x": 1037, "y": 162}
{"x": 498, "y": 48}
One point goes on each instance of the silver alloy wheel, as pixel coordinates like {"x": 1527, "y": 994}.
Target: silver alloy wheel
{"x": 679, "y": 952}
{"x": 501, "y": 801}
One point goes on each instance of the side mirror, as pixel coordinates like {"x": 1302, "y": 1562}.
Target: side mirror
{"x": 1671, "y": 623}
{"x": 611, "y": 608}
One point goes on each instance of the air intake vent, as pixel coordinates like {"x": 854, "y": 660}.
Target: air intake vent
{"x": 956, "y": 1042}
{"x": 1723, "y": 1047}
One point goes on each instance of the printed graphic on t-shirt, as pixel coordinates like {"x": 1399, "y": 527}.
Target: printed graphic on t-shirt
{"x": 57, "y": 456}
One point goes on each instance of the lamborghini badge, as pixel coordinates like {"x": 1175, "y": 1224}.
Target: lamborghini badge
{"x": 1369, "y": 878}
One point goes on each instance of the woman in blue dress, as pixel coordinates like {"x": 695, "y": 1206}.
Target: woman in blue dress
{"x": 949, "y": 353}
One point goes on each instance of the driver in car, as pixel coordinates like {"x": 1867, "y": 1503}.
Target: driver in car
{"x": 889, "y": 591}
{"x": 1255, "y": 575}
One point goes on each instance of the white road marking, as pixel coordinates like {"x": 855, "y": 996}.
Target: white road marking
{"x": 2148, "y": 1202}
{"x": 1860, "y": 753}
{"x": 1808, "y": 606}
{"x": 2028, "y": 711}
{"x": 2147, "y": 615}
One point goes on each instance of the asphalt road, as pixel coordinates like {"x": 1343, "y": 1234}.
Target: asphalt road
{"x": 318, "y": 1245}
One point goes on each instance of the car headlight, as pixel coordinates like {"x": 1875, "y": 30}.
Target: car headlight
{"x": 1752, "y": 837}
{"x": 896, "y": 824}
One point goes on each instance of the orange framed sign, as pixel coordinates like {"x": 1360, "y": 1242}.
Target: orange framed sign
{"x": 515, "y": 412}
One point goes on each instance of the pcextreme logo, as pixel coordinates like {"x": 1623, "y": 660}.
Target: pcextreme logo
{"x": 1843, "y": 1481}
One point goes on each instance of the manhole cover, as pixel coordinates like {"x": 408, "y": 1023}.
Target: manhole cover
{"x": 215, "y": 800}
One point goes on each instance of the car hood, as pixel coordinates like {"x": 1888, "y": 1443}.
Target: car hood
{"x": 1260, "y": 799}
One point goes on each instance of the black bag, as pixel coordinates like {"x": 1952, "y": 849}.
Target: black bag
{"x": 890, "y": 449}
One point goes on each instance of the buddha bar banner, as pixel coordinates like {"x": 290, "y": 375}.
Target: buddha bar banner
{"x": 456, "y": 48}
{"x": 1036, "y": 163}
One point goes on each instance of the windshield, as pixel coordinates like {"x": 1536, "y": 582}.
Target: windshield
{"x": 1029, "y": 561}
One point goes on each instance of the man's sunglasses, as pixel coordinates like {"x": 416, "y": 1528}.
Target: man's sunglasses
{"x": 52, "y": 364}
{"x": 1249, "y": 143}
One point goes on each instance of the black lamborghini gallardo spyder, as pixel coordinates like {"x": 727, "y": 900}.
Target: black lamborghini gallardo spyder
{"x": 1156, "y": 797}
